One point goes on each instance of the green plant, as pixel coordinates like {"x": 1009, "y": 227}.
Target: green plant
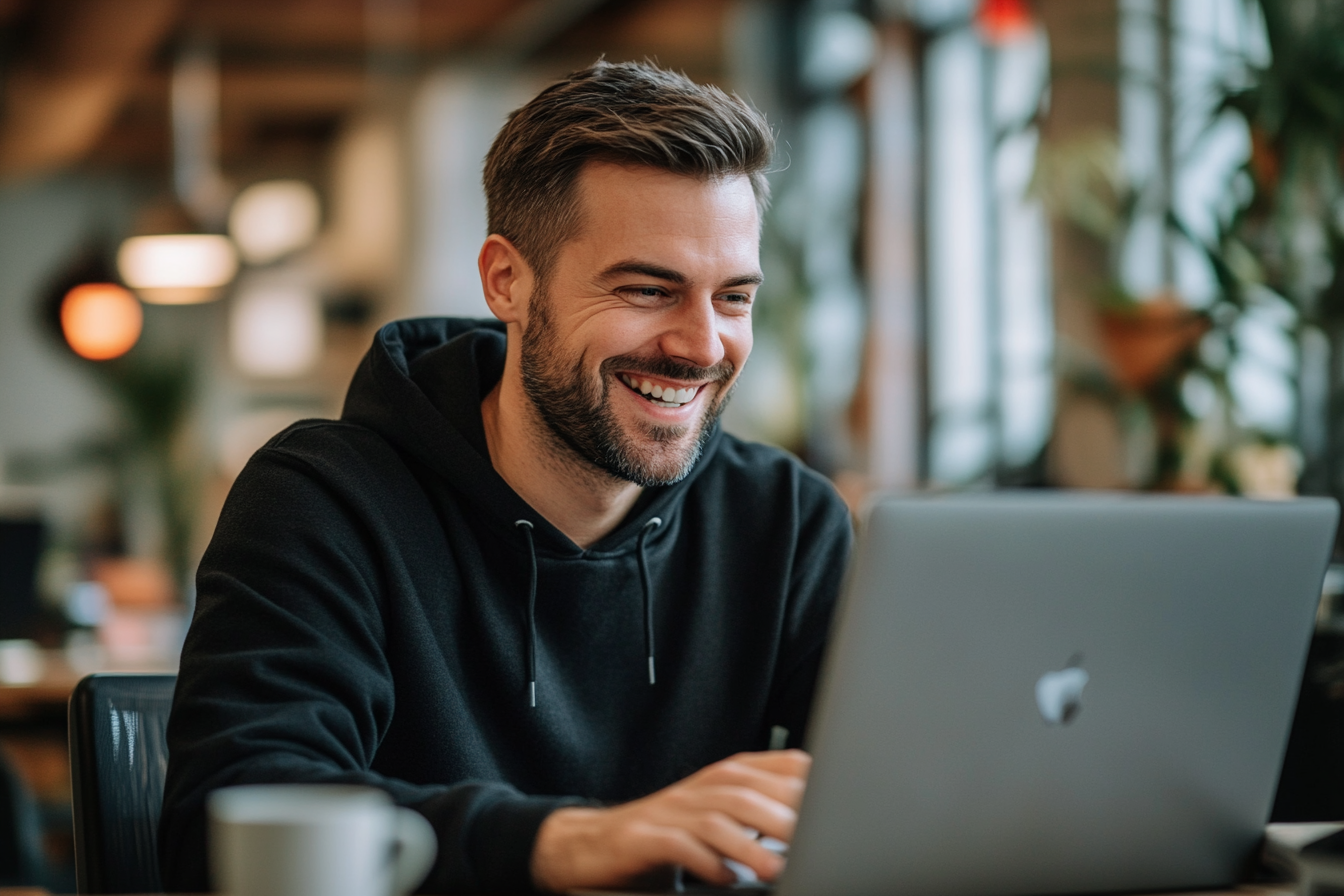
{"x": 148, "y": 457}
{"x": 1146, "y": 344}
{"x": 1283, "y": 237}
{"x": 155, "y": 395}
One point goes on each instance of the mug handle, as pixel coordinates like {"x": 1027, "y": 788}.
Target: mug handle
{"x": 416, "y": 846}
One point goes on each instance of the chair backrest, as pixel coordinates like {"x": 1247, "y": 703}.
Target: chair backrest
{"x": 118, "y": 760}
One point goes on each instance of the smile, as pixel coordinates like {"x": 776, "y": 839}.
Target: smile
{"x": 669, "y": 397}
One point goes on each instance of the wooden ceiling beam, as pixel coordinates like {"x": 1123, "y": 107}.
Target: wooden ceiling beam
{"x": 10, "y": 9}
{"x": 278, "y": 89}
{"x": 529, "y": 28}
{"x": 61, "y": 96}
{"x": 266, "y": 90}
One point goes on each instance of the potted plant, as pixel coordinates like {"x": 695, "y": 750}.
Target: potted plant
{"x": 1285, "y": 236}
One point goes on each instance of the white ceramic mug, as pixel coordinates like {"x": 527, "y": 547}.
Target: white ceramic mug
{"x": 316, "y": 840}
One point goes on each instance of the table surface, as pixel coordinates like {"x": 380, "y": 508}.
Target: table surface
{"x": 57, "y": 679}
{"x": 1247, "y": 890}
{"x": 1276, "y": 890}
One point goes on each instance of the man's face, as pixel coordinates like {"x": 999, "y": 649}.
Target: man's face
{"x": 636, "y": 338}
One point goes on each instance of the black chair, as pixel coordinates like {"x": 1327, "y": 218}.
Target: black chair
{"x": 1311, "y": 785}
{"x": 22, "y": 863}
{"x": 118, "y": 759}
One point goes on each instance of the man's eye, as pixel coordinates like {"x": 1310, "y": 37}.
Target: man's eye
{"x": 737, "y": 298}
{"x": 644, "y": 292}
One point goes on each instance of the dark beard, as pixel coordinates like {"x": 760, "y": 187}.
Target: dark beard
{"x": 578, "y": 411}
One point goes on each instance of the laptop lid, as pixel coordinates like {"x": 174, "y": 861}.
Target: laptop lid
{"x": 1051, "y": 693}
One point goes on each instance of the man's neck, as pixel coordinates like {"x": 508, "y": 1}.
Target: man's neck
{"x": 575, "y": 497}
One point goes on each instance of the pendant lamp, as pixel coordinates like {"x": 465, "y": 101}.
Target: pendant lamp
{"x": 170, "y": 263}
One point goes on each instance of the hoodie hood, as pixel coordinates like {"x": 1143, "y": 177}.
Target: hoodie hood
{"x": 420, "y": 387}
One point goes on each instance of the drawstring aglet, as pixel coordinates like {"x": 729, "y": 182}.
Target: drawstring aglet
{"x": 647, "y": 586}
{"x": 532, "y": 694}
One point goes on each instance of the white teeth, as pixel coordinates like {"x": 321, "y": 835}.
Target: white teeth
{"x": 663, "y": 397}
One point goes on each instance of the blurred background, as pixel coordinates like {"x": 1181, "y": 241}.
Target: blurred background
{"x": 1014, "y": 243}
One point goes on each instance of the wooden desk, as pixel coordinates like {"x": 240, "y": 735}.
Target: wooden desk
{"x": 50, "y": 692}
{"x": 1248, "y": 890}
{"x": 1240, "y": 891}
{"x": 33, "y": 740}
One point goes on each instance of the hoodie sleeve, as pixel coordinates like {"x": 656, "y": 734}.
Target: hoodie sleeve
{"x": 821, "y": 548}
{"x": 284, "y": 678}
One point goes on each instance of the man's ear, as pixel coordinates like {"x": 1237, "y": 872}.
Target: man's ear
{"x": 506, "y": 279}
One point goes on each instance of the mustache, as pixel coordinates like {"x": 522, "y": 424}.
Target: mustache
{"x": 667, "y": 368}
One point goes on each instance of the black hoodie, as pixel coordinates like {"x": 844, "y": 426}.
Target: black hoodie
{"x": 365, "y": 615}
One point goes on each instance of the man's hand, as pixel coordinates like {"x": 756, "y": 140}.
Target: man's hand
{"x": 697, "y": 822}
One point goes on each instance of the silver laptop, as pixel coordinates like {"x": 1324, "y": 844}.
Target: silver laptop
{"x": 1032, "y": 694}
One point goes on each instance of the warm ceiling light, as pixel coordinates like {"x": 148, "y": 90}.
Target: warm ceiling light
{"x": 273, "y": 218}
{"x": 275, "y": 330}
{"x": 177, "y": 269}
{"x": 101, "y": 321}
{"x": 1004, "y": 21}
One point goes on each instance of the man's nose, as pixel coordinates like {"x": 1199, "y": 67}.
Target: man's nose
{"x": 693, "y": 335}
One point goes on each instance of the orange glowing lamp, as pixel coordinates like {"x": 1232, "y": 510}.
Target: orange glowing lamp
{"x": 1004, "y": 21}
{"x": 101, "y": 321}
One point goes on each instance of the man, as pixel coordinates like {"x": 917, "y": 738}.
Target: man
{"x": 525, "y": 584}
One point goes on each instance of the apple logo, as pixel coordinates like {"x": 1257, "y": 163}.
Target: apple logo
{"x": 1059, "y": 694}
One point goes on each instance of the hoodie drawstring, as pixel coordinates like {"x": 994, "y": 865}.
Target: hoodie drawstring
{"x": 531, "y": 616}
{"x": 647, "y": 588}
{"x": 653, "y": 523}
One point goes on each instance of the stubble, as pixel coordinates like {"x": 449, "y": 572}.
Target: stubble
{"x": 577, "y": 407}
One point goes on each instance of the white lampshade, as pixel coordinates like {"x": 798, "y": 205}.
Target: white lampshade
{"x": 275, "y": 331}
{"x": 273, "y": 218}
{"x": 175, "y": 269}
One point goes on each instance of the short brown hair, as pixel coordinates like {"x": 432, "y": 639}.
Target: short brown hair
{"x": 628, "y": 113}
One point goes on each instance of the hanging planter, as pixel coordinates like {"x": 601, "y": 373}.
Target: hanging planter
{"x": 1145, "y": 341}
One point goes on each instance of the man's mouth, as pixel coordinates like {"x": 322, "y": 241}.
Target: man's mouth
{"x": 663, "y": 397}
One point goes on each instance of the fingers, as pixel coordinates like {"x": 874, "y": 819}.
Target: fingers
{"x": 784, "y": 765}
{"x": 760, "y": 791}
{"x": 700, "y": 844}
{"x": 697, "y": 823}
{"x": 783, "y": 762}
{"x": 676, "y": 846}
{"x": 743, "y": 806}
{"x": 781, "y": 776}
{"x": 730, "y": 840}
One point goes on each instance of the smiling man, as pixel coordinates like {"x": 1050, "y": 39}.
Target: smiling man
{"x": 526, "y": 585}
{"x": 626, "y": 349}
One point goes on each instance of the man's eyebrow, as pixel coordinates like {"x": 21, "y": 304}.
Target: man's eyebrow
{"x": 648, "y": 269}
